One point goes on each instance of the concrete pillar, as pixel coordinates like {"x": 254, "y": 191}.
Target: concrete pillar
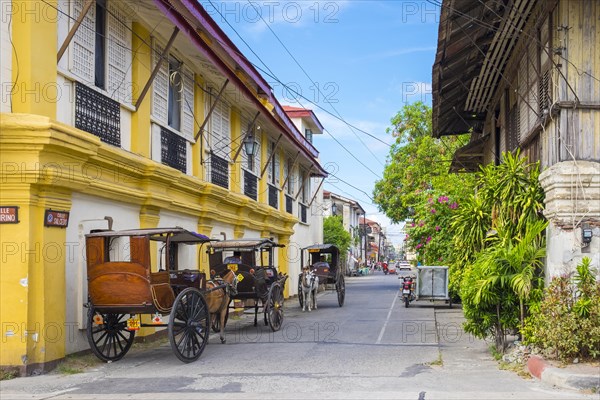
{"x": 572, "y": 201}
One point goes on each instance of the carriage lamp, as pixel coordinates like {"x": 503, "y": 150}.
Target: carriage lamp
{"x": 249, "y": 145}
{"x": 586, "y": 235}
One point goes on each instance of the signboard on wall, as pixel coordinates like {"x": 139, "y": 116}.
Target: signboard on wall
{"x": 55, "y": 218}
{"x": 9, "y": 215}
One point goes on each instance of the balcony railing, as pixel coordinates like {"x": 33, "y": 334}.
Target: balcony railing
{"x": 303, "y": 211}
{"x": 173, "y": 150}
{"x": 289, "y": 204}
{"x": 219, "y": 171}
{"x": 250, "y": 185}
{"x": 273, "y": 196}
{"x": 97, "y": 114}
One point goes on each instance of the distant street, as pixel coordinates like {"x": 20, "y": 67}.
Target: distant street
{"x": 372, "y": 347}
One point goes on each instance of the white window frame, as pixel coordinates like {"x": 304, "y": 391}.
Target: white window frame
{"x": 118, "y": 53}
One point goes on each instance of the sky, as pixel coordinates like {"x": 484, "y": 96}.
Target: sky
{"x": 354, "y": 62}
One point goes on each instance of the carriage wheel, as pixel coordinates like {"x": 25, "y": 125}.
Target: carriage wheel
{"x": 300, "y": 297}
{"x": 189, "y": 325}
{"x": 274, "y": 307}
{"x": 108, "y": 335}
{"x": 340, "y": 286}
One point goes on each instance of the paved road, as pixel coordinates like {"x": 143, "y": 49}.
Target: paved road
{"x": 372, "y": 348}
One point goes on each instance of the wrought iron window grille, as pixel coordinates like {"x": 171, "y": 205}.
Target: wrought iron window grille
{"x": 303, "y": 212}
{"x": 97, "y": 114}
{"x": 273, "y": 196}
{"x": 250, "y": 185}
{"x": 219, "y": 171}
{"x": 173, "y": 150}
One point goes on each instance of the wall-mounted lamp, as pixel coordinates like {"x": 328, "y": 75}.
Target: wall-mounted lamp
{"x": 249, "y": 145}
{"x": 586, "y": 235}
{"x": 333, "y": 208}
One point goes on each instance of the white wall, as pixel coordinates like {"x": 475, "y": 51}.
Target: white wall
{"x": 87, "y": 213}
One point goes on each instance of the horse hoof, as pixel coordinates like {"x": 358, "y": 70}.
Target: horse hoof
{"x": 223, "y": 340}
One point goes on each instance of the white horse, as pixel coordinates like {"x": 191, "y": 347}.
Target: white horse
{"x": 310, "y": 284}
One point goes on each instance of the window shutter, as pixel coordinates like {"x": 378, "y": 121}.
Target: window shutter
{"x": 220, "y": 129}
{"x": 270, "y": 168}
{"x": 160, "y": 86}
{"x": 187, "y": 114}
{"x": 276, "y": 160}
{"x": 83, "y": 44}
{"x": 257, "y": 157}
{"x": 286, "y": 167}
{"x": 119, "y": 54}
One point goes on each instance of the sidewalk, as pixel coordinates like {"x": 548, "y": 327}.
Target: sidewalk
{"x": 574, "y": 376}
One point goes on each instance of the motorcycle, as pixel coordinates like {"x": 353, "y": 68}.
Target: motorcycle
{"x": 408, "y": 290}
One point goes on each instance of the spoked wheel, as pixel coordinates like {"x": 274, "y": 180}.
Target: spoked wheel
{"x": 189, "y": 325}
{"x": 340, "y": 287}
{"x": 300, "y": 296}
{"x": 274, "y": 307}
{"x": 108, "y": 335}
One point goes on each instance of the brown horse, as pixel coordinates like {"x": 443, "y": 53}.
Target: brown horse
{"x": 218, "y": 299}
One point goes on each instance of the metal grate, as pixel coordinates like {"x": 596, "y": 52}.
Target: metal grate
{"x": 97, "y": 114}
{"x": 219, "y": 171}
{"x": 273, "y": 196}
{"x": 250, "y": 185}
{"x": 303, "y": 209}
{"x": 289, "y": 204}
{"x": 173, "y": 150}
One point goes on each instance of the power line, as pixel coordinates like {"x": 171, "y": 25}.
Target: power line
{"x": 309, "y": 78}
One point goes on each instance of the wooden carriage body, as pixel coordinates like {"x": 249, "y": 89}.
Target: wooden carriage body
{"x": 329, "y": 270}
{"x": 132, "y": 286}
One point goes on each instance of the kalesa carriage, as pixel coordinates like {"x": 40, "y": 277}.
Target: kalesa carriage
{"x": 324, "y": 260}
{"x": 123, "y": 286}
{"x": 258, "y": 280}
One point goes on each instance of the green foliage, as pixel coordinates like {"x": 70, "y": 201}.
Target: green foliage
{"x": 334, "y": 233}
{"x": 499, "y": 237}
{"x": 568, "y": 322}
{"x": 416, "y": 184}
{"x": 417, "y": 166}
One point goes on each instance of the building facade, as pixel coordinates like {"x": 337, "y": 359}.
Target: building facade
{"x": 524, "y": 75}
{"x": 129, "y": 114}
{"x": 350, "y": 211}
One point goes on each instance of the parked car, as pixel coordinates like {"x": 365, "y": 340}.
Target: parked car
{"x": 403, "y": 266}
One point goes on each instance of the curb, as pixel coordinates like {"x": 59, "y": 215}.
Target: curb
{"x": 542, "y": 370}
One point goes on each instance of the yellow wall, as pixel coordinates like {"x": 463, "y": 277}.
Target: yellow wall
{"x": 32, "y": 279}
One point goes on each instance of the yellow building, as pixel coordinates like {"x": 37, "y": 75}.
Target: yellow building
{"x": 134, "y": 113}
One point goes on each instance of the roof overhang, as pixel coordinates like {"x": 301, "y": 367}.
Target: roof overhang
{"x": 193, "y": 21}
{"x": 469, "y": 157}
{"x": 475, "y": 42}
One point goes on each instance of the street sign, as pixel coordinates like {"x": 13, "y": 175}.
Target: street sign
{"x": 9, "y": 215}
{"x": 58, "y": 219}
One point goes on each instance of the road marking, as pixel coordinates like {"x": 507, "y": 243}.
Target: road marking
{"x": 386, "y": 320}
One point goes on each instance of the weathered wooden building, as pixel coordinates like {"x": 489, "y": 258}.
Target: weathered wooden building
{"x": 526, "y": 74}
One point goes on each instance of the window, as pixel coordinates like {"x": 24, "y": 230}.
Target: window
{"x": 273, "y": 177}
{"x": 101, "y": 48}
{"x": 309, "y": 135}
{"x": 173, "y": 93}
{"x": 250, "y": 165}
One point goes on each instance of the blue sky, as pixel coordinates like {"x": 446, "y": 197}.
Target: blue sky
{"x": 368, "y": 59}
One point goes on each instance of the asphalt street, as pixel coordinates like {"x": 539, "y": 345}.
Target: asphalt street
{"x": 371, "y": 348}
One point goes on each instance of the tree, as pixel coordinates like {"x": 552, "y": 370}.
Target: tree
{"x": 334, "y": 233}
{"x": 417, "y": 185}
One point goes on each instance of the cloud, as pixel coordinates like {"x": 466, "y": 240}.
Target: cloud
{"x": 254, "y": 15}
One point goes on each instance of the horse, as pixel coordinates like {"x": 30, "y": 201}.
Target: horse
{"x": 310, "y": 284}
{"x": 218, "y": 295}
